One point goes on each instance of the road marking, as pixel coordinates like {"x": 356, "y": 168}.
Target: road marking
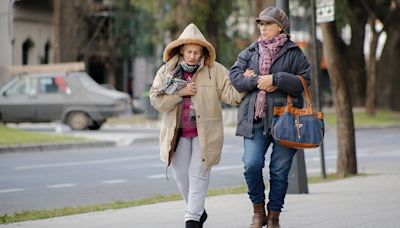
{"x": 94, "y": 162}
{"x": 327, "y": 157}
{"x": 11, "y": 190}
{"x": 218, "y": 168}
{"x": 226, "y": 167}
{"x": 61, "y": 185}
{"x": 318, "y": 170}
{"x": 117, "y": 181}
{"x": 157, "y": 176}
{"x": 138, "y": 166}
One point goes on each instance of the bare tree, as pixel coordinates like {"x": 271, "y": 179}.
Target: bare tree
{"x": 388, "y": 66}
{"x": 372, "y": 60}
{"x": 69, "y": 27}
{"x": 338, "y": 63}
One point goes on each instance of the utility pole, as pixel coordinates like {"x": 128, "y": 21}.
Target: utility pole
{"x": 297, "y": 176}
{"x": 283, "y": 5}
{"x": 316, "y": 73}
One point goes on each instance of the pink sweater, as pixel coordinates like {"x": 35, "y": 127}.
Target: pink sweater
{"x": 189, "y": 129}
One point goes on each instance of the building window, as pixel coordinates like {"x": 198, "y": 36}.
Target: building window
{"x": 26, "y": 49}
{"x": 45, "y": 59}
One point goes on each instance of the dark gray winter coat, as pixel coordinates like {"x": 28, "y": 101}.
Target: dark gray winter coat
{"x": 289, "y": 62}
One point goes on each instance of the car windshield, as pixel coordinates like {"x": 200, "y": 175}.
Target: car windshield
{"x": 25, "y": 86}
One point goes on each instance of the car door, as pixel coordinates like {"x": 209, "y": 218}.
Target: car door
{"x": 51, "y": 98}
{"x": 18, "y": 100}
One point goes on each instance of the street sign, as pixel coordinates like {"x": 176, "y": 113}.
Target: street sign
{"x": 325, "y": 10}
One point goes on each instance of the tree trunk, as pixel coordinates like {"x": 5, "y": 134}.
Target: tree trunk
{"x": 356, "y": 71}
{"x": 213, "y": 24}
{"x": 388, "y": 68}
{"x": 337, "y": 61}
{"x": 371, "y": 70}
{"x": 182, "y": 18}
{"x": 70, "y": 30}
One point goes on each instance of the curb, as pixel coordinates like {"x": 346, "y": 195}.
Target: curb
{"x": 55, "y": 146}
{"x": 377, "y": 127}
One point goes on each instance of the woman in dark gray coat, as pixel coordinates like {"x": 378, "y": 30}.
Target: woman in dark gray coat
{"x": 267, "y": 71}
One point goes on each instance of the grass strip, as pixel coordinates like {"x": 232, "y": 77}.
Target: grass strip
{"x": 363, "y": 120}
{"x": 11, "y": 136}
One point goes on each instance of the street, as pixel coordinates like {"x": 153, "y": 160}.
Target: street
{"x": 55, "y": 179}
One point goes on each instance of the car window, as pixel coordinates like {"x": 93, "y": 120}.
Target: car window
{"x": 55, "y": 84}
{"x": 25, "y": 86}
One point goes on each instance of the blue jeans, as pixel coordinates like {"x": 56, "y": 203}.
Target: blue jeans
{"x": 279, "y": 167}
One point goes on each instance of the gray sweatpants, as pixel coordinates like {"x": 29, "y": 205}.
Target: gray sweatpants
{"x": 192, "y": 178}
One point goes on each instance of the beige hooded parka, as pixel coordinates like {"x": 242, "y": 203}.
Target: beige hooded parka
{"x": 213, "y": 86}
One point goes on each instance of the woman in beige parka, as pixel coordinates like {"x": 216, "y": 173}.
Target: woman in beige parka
{"x": 188, "y": 90}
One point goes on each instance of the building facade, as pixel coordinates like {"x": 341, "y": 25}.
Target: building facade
{"x": 26, "y": 34}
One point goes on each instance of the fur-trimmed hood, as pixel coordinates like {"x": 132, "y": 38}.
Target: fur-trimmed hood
{"x": 191, "y": 35}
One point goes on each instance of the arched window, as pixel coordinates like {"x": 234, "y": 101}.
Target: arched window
{"x": 26, "y": 48}
{"x": 46, "y": 54}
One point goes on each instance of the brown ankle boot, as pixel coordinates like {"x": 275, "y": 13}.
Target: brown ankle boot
{"x": 259, "y": 218}
{"x": 273, "y": 219}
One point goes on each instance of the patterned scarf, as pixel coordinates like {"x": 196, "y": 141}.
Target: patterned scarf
{"x": 268, "y": 50}
{"x": 174, "y": 81}
{"x": 188, "y": 68}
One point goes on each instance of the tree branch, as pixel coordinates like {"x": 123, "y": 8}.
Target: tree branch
{"x": 393, "y": 6}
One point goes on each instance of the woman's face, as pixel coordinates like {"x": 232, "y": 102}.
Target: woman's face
{"x": 191, "y": 53}
{"x": 269, "y": 29}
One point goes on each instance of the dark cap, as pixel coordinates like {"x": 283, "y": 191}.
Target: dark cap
{"x": 275, "y": 15}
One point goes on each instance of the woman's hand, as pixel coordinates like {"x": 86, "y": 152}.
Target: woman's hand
{"x": 249, "y": 73}
{"x": 188, "y": 90}
{"x": 271, "y": 89}
{"x": 264, "y": 82}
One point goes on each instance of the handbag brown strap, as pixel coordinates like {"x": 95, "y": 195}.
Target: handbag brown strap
{"x": 307, "y": 110}
{"x": 306, "y": 93}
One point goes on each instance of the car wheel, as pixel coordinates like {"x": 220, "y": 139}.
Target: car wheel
{"x": 78, "y": 120}
{"x": 96, "y": 125}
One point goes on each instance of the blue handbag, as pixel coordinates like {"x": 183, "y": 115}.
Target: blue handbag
{"x": 298, "y": 128}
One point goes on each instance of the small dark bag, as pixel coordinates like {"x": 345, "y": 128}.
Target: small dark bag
{"x": 298, "y": 128}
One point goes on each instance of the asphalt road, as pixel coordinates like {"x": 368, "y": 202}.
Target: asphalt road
{"x": 56, "y": 179}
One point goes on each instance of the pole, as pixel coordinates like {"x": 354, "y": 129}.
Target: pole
{"x": 297, "y": 175}
{"x": 283, "y": 5}
{"x": 316, "y": 72}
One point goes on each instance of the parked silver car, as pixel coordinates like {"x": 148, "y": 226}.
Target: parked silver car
{"x": 72, "y": 97}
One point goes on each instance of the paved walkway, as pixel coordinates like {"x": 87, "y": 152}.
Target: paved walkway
{"x": 369, "y": 201}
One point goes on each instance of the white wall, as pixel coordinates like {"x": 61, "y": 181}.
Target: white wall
{"x": 18, "y": 26}
{"x": 142, "y": 75}
{"x": 39, "y": 34}
{"x": 36, "y": 26}
{"x": 5, "y": 42}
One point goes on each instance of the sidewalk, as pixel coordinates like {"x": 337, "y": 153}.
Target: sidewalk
{"x": 371, "y": 201}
